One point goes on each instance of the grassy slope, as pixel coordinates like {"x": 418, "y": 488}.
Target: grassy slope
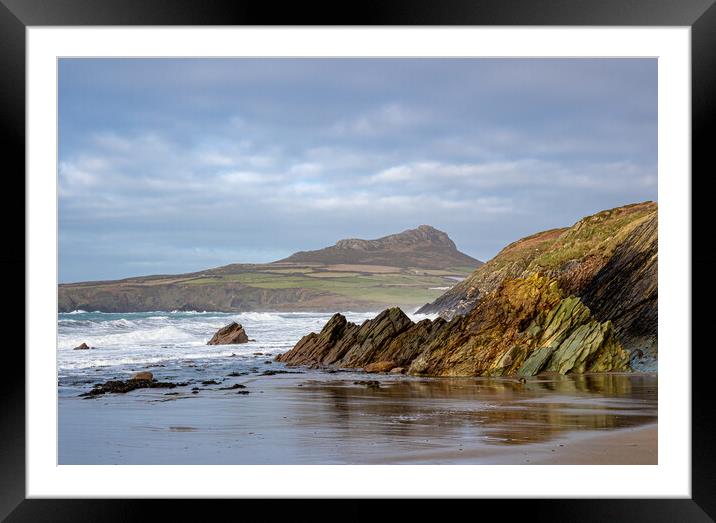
{"x": 378, "y": 286}
{"x": 401, "y": 287}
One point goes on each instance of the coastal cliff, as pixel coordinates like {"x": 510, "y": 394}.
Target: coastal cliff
{"x": 573, "y": 300}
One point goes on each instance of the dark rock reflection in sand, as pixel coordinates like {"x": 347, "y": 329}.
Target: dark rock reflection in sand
{"x": 502, "y": 411}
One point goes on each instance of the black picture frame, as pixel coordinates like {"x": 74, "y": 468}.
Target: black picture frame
{"x": 700, "y": 15}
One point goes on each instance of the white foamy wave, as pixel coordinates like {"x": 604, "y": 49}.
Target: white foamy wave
{"x": 122, "y": 323}
{"x": 134, "y": 339}
{"x": 78, "y": 311}
{"x": 260, "y": 316}
{"x": 130, "y": 338}
{"x": 419, "y": 317}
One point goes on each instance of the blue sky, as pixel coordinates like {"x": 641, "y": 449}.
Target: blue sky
{"x": 170, "y": 166}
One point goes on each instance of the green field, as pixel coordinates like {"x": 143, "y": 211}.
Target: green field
{"x": 403, "y": 286}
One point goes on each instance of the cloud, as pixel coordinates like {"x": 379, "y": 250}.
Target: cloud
{"x": 306, "y": 168}
{"x": 176, "y": 165}
{"x": 382, "y": 120}
{"x": 518, "y": 174}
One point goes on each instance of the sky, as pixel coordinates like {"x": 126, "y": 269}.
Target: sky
{"x": 177, "y": 165}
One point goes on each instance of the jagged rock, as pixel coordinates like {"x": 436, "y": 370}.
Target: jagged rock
{"x": 229, "y": 335}
{"x": 360, "y": 346}
{"x": 313, "y": 347}
{"x": 83, "y": 346}
{"x": 345, "y": 344}
{"x": 524, "y": 327}
{"x": 380, "y": 366}
{"x": 144, "y": 375}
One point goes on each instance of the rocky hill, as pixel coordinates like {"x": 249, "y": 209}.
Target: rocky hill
{"x": 424, "y": 247}
{"x": 578, "y": 299}
{"x": 404, "y": 269}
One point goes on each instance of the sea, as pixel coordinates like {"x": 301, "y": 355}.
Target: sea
{"x": 172, "y": 345}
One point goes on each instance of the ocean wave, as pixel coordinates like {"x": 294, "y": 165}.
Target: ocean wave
{"x": 260, "y": 316}
{"x": 148, "y": 359}
{"x": 165, "y": 335}
{"x": 418, "y": 317}
{"x": 127, "y": 339}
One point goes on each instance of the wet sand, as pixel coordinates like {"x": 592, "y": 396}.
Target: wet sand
{"x": 322, "y": 418}
{"x": 631, "y": 446}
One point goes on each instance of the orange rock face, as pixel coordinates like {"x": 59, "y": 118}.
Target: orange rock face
{"x": 380, "y": 366}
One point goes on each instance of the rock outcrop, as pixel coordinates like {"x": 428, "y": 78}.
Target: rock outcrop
{"x": 625, "y": 291}
{"x": 83, "y": 346}
{"x": 609, "y": 260}
{"x": 526, "y": 326}
{"x": 574, "y": 300}
{"x": 346, "y": 344}
{"x": 232, "y": 334}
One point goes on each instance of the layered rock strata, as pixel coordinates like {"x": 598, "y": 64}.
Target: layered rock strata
{"x": 524, "y": 327}
{"x": 609, "y": 260}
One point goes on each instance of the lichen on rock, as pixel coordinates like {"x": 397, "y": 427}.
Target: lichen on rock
{"x": 524, "y": 327}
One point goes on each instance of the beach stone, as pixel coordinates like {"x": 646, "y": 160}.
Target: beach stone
{"x": 232, "y": 334}
{"x": 83, "y": 346}
{"x": 121, "y": 387}
{"x": 144, "y": 375}
{"x": 274, "y": 372}
{"x": 380, "y": 366}
{"x": 397, "y": 370}
{"x": 234, "y": 386}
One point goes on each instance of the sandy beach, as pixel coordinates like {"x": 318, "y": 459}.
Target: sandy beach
{"x": 327, "y": 418}
{"x": 629, "y": 446}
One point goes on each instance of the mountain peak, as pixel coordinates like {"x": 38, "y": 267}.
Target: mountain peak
{"x": 424, "y": 246}
{"x": 424, "y": 234}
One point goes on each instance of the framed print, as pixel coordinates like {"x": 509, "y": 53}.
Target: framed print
{"x": 410, "y": 255}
